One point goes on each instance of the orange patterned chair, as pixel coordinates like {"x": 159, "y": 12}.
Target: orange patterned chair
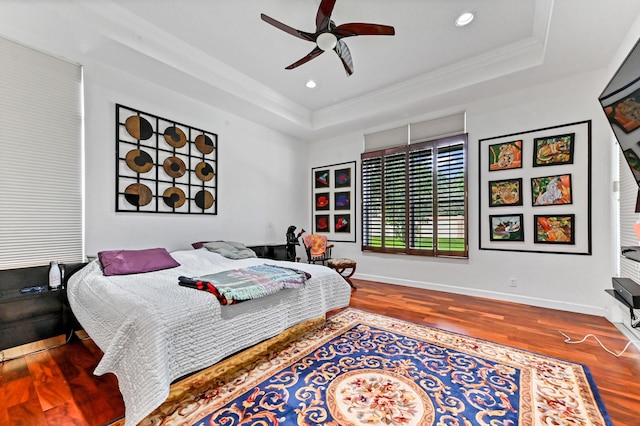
{"x": 317, "y": 248}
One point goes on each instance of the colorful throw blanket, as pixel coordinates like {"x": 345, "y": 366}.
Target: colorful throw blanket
{"x": 237, "y": 285}
{"x": 317, "y": 244}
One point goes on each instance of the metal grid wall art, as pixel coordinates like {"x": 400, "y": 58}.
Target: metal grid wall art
{"x": 163, "y": 166}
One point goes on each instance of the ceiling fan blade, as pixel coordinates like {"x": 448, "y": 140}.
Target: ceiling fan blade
{"x": 345, "y": 56}
{"x": 311, "y": 55}
{"x": 357, "y": 28}
{"x": 324, "y": 14}
{"x": 287, "y": 29}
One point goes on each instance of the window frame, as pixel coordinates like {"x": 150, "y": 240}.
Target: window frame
{"x": 435, "y": 250}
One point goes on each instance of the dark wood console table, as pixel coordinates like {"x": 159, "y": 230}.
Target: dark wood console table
{"x": 270, "y": 251}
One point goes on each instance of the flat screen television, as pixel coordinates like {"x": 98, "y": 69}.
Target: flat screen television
{"x": 620, "y": 101}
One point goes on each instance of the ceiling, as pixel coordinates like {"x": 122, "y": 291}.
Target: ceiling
{"x": 221, "y": 52}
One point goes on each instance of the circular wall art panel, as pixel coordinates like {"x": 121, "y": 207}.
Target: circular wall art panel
{"x": 174, "y": 167}
{"x": 138, "y": 194}
{"x": 174, "y": 197}
{"x": 204, "y": 199}
{"x": 138, "y": 127}
{"x": 204, "y": 144}
{"x": 204, "y": 171}
{"x": 175, "y": 137}
{"x": 163, "y": 165}
{"x": 139, "y": 161}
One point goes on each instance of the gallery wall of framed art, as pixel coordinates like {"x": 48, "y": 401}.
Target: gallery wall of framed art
{"x": 535, "y": 190}
{"x": 333, "y": 195}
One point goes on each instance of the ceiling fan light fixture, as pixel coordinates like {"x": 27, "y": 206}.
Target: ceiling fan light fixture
{"x": 464, "y": 19}
{"x": 326, "y": 41}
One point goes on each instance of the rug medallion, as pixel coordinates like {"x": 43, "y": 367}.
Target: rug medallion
{"x": 360, "y": 368}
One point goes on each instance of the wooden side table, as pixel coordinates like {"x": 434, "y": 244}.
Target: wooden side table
{"x": 345, "y": 267}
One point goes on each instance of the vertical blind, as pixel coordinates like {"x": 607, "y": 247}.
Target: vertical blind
{"x": 40, "y": 158}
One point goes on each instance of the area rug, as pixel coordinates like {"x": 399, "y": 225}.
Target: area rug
{"x": 360, "y": 368}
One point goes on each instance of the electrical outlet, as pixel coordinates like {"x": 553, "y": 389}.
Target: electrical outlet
{"x": 513, "y": 282}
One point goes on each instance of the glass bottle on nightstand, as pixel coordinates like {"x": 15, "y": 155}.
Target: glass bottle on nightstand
{"x": 55, "y": 276}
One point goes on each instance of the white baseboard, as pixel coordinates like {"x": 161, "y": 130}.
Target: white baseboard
{"x": 631, "y": 334}
{"x": 527, "y": 300}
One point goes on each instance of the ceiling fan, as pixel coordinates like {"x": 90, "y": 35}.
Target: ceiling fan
{"x": 329, "y": 36}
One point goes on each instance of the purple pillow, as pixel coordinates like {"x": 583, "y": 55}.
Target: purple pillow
{"x": 123, "y": 262}
{"x": 199, "y": 244}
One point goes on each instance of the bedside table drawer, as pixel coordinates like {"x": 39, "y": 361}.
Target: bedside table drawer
{"x": 27, "y": 306}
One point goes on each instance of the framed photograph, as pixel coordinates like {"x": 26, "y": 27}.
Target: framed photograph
{"x": 562, "y": 193}
{"x": 321, "y": 179}
{"x": 343, "y": 178}
{"x": 322, "y": 223}
{"x": 550, "y": 190}
{"x": 322, "y": 201}
{"x": 505, "y": 192}
{"x": 549, "y": 151}
{"x": 505, "y": 156}
{"x": 506, "y": 227}
{"x": 333, "y": 192}
{"x": 342, "y": 200}
{"x": 342, "y": 223}
{"x": 554, "y": 229}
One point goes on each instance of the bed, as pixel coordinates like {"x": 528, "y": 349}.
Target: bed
{"x": 153, "y": 331}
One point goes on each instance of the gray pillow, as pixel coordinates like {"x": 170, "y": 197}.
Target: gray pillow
{"x": 230, "y": 249}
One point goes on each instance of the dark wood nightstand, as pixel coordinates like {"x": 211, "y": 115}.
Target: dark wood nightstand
{"x": 29, "y": 317}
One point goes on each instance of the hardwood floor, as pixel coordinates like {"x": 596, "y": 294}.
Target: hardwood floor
{"x": 57, "y": 387}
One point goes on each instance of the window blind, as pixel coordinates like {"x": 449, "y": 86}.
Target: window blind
{"x": 386, "y": 139}
{"x": 450, "y": 169}
{"x": 436, "y": 128}
{"x": 628, "y": 217}
{"x": 40, "y": 158}
{"x": 421, "y": 199}
{"x": 394, "y": 190}
{"x": 414, "y": 198}
{"x": 372, "y": 201}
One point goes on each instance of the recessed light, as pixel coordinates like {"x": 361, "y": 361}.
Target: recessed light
{"x": 464, "y": 19}
{"x": 311, "y": 84}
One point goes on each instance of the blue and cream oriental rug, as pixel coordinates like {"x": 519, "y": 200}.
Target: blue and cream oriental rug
{"x": 360, "y": 368}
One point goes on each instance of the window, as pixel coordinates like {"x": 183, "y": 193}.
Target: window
{"x": 414, "y": 199}
{"x": 41, "y": 158}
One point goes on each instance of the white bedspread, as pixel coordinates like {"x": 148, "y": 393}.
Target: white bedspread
{"x": 153, "y": 331}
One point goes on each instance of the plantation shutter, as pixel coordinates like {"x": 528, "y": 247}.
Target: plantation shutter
{"x": 395, "y": 203}
{"x": 40, "y": 158}
{"x": 401, "y": 188}
{"x": 372, "y": 201}
{"x": 421, "y": 200}
{"x": 451, "y": 196}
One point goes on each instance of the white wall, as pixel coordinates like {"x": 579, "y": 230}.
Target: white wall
{"x": 261, "y": 173}
{"x": 569, "y": 282}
